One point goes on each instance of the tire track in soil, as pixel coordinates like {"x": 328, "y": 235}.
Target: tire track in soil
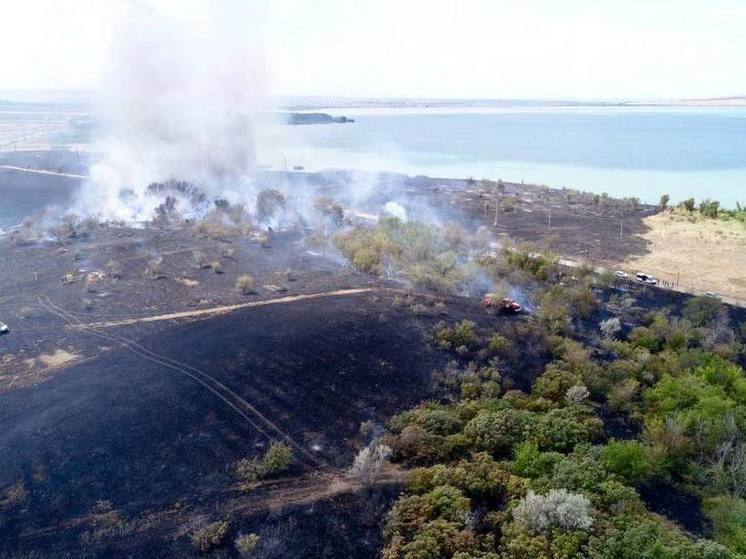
{"x": 217, "y": 388}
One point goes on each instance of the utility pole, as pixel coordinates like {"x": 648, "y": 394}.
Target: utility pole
{"x": 498, "y": 187}
{"x": 549, "y": 220}
{"x": 621, "y": 228}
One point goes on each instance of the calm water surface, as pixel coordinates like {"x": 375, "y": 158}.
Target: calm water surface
{"x": 624, "y": 151}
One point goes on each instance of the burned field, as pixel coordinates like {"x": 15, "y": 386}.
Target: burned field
{"x": 575, "y": 224}
{"x": 128, "y": 430}
{"x": 150, "y": 416}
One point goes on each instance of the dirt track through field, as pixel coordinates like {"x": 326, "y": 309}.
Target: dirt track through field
{"x": 227, "y": 308}
{"x": 42, "y": 172}
{"x": 221, "y": 391}
{"x": 309, "y": 489}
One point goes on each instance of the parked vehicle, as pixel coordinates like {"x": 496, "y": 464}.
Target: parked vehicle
{"x": 646, "y": 278}
{"x": 621, "y": 274}
{"x": 712, "y": 295}
{"x": 4, "y": 328}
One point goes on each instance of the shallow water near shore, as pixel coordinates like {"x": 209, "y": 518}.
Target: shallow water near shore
{"x": 623, "y": 151}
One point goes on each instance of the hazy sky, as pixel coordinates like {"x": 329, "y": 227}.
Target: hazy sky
{"x": 423, "y": 48}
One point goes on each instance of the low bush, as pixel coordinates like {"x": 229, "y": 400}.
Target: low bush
{"x": 462, "y": 334}
{"x": 210, "y": 536}
{"x": 246, "y": 544}
{"x": 245, "y": 284}
{"x": 276, "y": 460}
{"x": 496, "y": 432}
{"x": 628, "y": 459}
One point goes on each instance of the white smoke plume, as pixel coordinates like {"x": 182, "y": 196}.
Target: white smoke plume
{"x": 186, "y": 87}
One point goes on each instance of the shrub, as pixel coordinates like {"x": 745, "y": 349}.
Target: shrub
{"x": 154, "y": 268}
{"x": 701, "y": 311}
{"x": 498, "y": 431}
{"x": 249, "y": 470}
{"x": 16, "y": 494}
{"x": 268, "y": 202}
{"x": 558, "y": 430}
{"x": 440, "y": 422}
{"x": 278, "y": 458}
{"x": 554, "y": 312}
{"x": 558, "y": 508}
{"x": 555, "y": 382}
{"x": 68, "y": 228}
{"x": 246, "y": 543}
{"x": 498, "y": 344}
{"x": 709, "y": 208}
{"x": 458, "y": 335}
{"x": 627, "y": 459}
{"x": 729, "y": 519}
{"x": 527, "y": 258}
{"x": 245, "y": 284}
{"x": 529, "y": 461}
{"x": 209, "y": 536}
{"x": 113, "y": 268}
{"x": 577, "y": 395}
{"x": 610, "y": 327}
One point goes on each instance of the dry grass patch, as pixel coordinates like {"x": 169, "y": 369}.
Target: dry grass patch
{"x": 709, "y": 255}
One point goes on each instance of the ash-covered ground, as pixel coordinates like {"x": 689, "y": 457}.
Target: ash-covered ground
{"x": 151, "y": 415}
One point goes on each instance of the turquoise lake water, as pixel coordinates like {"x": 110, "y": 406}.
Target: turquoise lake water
{"x": 624, "y": 151}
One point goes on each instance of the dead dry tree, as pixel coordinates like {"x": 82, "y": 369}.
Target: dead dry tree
{"x": 68, "y": 228}
{"x": 369, "y": 463}
{"x": 268, "y": 203}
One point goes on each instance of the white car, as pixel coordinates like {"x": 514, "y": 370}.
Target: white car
{"x": 620, "y": 274}
{"x": 646, "y": 278}
{"x": 712, "y": 295}
{"x": 4, "y": 328}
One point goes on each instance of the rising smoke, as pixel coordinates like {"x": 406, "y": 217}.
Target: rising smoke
{"x": 185, "y": 89}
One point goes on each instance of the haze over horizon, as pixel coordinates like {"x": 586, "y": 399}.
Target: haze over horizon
{"x": 468, "y": 50}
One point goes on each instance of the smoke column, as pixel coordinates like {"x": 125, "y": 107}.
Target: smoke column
{"x": 185, "y": 88}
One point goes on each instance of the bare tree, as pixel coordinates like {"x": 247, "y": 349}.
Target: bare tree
{"x": 369, "y": 463}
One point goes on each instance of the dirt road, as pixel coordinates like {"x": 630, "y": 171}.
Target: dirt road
{"x": 42, "y": 172}
{"x": 229, "y": 308}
